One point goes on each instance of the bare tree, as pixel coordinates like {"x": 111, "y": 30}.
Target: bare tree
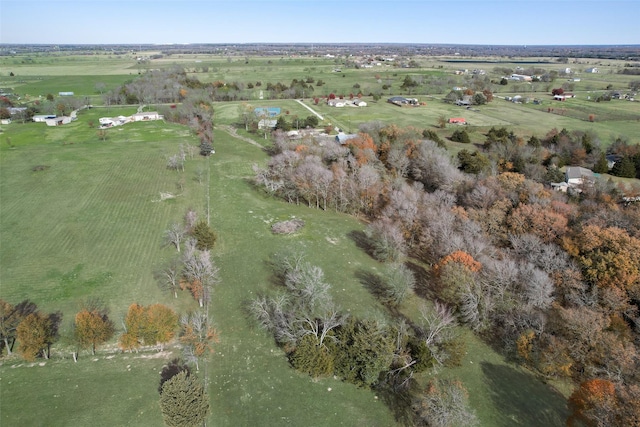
{"x": 433, "y": 166}
{"x": 319, "y": 327}
{"x": 175, "y": 162}
{"x": 202, "y": 273}
{"x": 437, "y": 327}
{"x": 197, "y": 335}
{"x": 537, "y": 286}
{"x": 399, "y": 282}
{"x": 386, "y": 240}
{"x": 168, "y": 277}
{"x": 443, "y": 404}
{"x": 174, "y": 235}
{"x": 190, "y": 220}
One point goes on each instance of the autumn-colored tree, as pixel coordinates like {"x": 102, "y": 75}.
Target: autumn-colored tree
{"x": 10, "y": 318}
{"x": 594, "y": 404}
{"x": 134, "y": 322}
{"x": 152, "y": 325}
{"x": 609, "y": 257}
{"x": 92, "y": 328}
{"x": 160, "y": 325}
{"x": 459, "y": 257}
{"x": 539, "y": 220}
{"x": 36, "y": 333}
{"x": 197, "y": 335}
{"x": 511, "y": 181}
{"x": 363, "y": 148}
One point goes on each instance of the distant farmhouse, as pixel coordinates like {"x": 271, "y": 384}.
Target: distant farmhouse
{"x": 342, "y": 138}
{"x": 107, "y": 122}
{"x": 402, "y": 101}
{"x": 520, "y": 78}
{"x": 337, "y": 102}
{"x": 266, "y": 116}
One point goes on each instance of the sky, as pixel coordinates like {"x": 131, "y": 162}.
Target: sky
{"x": 501, "y": 22}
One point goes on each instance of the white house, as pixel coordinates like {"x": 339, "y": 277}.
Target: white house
{"x": 521, "y": 77}
{"x": 146, "y": 116}
{"x": 342, "y": 137}
{"x": 560, "y": 186}
{"x": 41, "y": 118}
{"x": 336, "y": 102}
{"x": 267, "y": 123}
{"x": 592, "y": 70}
{"x": 58, "y": 121}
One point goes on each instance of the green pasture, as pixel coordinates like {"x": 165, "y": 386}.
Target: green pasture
{"x": 82, "y": 217}
{"x": 37, "y": 87}
{"x": 68, "y": 65}
{"x": 90, "y": 225}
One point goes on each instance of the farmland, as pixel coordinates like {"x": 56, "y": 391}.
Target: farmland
{"x": 81, "y": 216}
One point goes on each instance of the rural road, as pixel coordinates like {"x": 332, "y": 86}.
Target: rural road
{"x": 309, "y": 108}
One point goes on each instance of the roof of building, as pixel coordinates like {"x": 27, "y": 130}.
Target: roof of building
{"x": 574, "y": 172}
{"x": 342, "y": 138}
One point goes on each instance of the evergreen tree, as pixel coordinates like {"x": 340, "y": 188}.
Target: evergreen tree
{"x": 366, "y": 350}
{"x": 171, "y": 370}
{"x": 624, "y": 168}
{"x": 601, "y": 165}
{"x": 184, "y": 401}
{"x": 205, "y": 237}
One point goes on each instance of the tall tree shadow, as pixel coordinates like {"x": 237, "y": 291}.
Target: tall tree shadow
{"x": 362, "y": 241}
{"x": 522, "y": 399}
{"x": 424, "y": 281}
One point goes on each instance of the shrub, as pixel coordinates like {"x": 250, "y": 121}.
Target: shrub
{"x": 433, "y": 136}
{"x": 460, "y": 135}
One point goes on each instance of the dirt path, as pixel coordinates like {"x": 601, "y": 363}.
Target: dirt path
{"x": 310, "y": 109}
{"x": 234, "y": 133}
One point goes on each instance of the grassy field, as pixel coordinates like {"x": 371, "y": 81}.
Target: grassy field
{"x": 81, "y": 217}
{"x": 90, "y": 225}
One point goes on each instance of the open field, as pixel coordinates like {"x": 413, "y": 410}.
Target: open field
{"x": 97, "y": 232}
{"x": 612, "y": 119}
{"x": 81, "y": 217}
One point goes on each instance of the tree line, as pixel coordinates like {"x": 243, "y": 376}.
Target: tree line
{"x": 552, "y": 279}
